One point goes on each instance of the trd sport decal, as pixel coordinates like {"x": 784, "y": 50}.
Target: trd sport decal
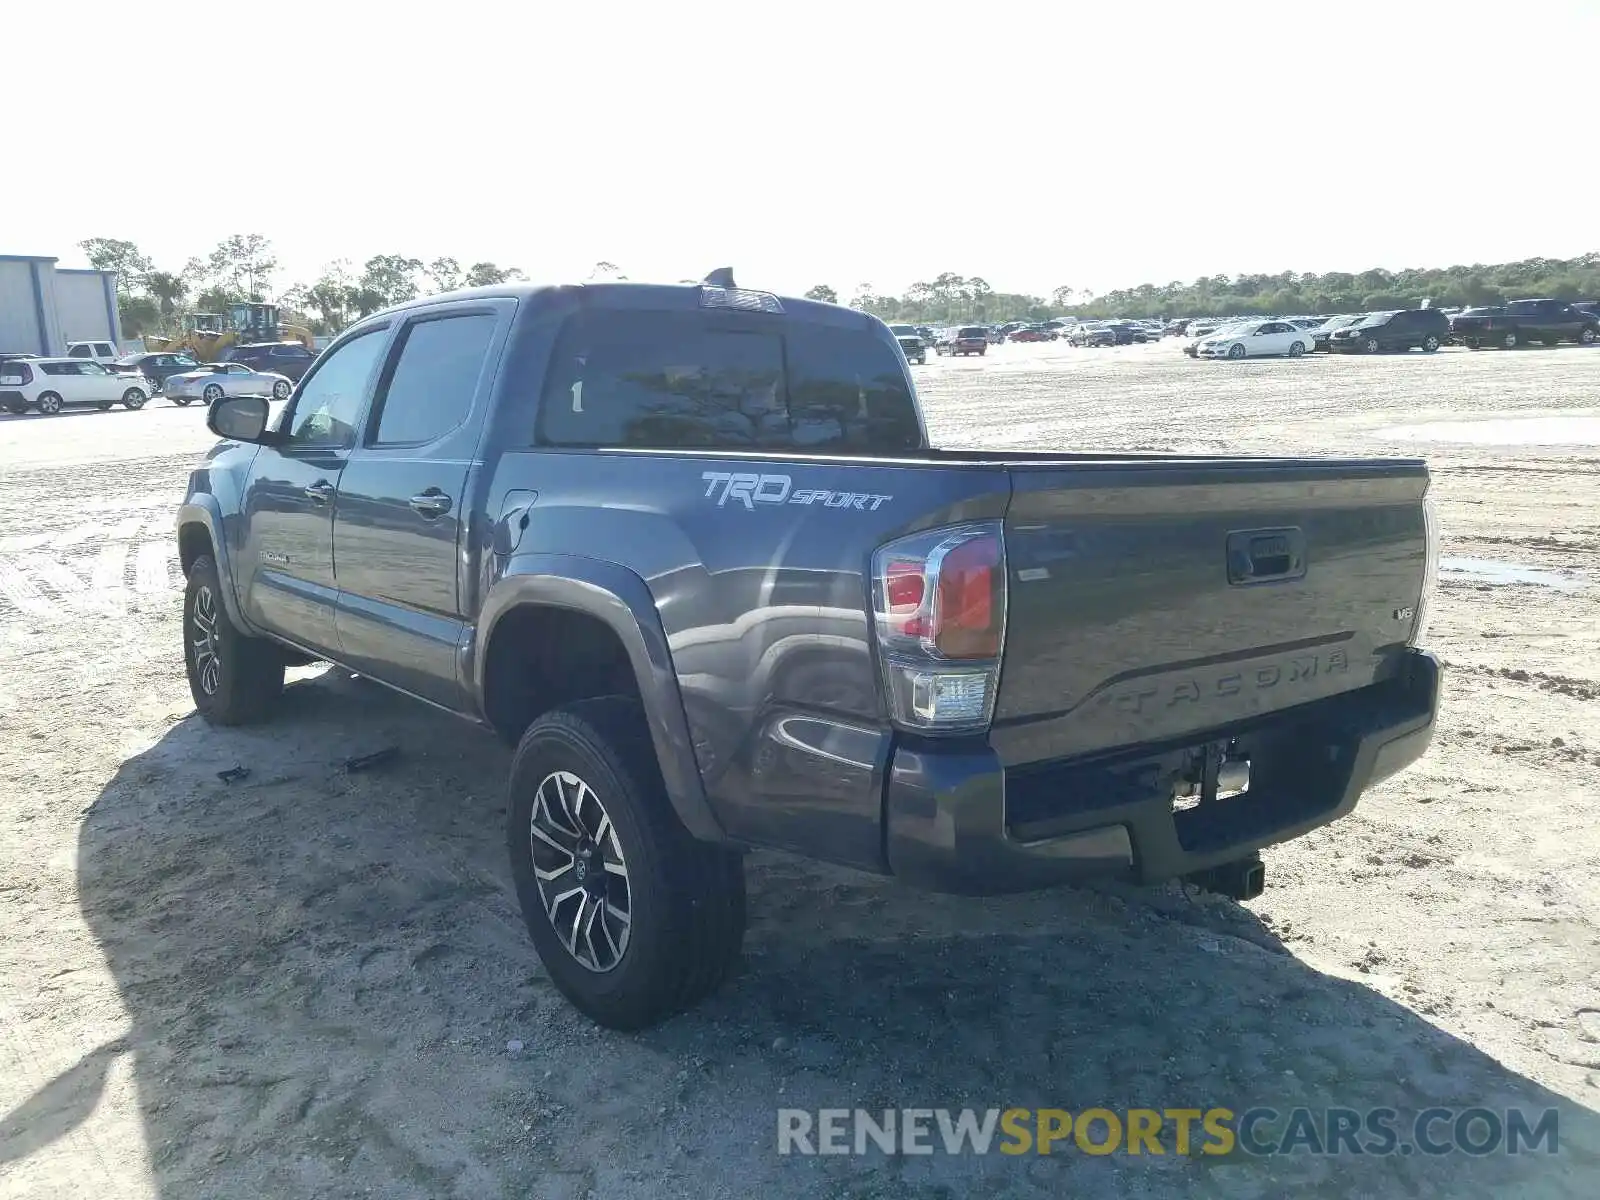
{"x": 751, "y": 490}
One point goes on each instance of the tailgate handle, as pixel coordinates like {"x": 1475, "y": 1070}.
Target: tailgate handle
{"x": 1266, "y": 555}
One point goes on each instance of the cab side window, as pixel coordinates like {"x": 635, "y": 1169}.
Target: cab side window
{"x": 328, "y": 406}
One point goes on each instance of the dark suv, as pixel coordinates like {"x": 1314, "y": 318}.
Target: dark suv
{"x": 1409, "y": 329}
{"x": 968, "y": 339}
{"x": 289, "y": 359}
{"x": 1522, "y": 321}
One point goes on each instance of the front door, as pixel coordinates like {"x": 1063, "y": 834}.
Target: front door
{"x": 397, "y": 533}
{"x": 285, "y": 561}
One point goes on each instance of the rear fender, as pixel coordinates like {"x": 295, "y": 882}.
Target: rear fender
{"x": 622, "y": 600}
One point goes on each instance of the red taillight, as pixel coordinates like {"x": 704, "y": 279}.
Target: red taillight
{"x": 939, "y": 603}
{"x": 966, "y": 620}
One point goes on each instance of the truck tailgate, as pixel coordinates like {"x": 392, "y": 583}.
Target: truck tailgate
{"x": 1152, "y": 600}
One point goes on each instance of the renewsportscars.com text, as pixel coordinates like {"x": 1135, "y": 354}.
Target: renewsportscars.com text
{"x": 1182, "y": 1132}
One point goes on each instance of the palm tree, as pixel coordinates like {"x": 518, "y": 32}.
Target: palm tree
{"x": 167, "y": 289}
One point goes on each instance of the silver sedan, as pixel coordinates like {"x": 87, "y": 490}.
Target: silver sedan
{"x": 212, "y": 381}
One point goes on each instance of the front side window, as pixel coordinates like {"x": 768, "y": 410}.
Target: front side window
{"x": 431, "y": 389}
{"x": 329, "y": 403}
{"x": 103, "y": 349}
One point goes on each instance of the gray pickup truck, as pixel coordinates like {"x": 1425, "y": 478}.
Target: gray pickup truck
{"x": 688, "y": 548}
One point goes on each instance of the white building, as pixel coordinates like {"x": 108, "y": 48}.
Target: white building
{"x": 43, "y": 307}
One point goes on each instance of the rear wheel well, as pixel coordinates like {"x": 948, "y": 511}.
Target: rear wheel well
{"x": 541, "y": 657}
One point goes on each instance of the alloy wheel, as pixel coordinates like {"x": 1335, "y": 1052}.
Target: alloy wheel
{"x": 211, "y": 394}
{"x": 203, "y": 637}
{"x": 581, "y": 872}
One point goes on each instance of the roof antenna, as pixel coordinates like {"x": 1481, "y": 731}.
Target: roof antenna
{"x": 721, "y": 277}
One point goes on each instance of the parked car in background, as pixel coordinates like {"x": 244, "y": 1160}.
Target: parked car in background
{"x": 157, "y": 367}
{"x": 966, "y": 339}
{"x": 210, "y": 382}
{"x": 1200, "y": 330}
{"x": 52, "y": 384}
{"x": 1033, "y": 333}
{"x": 1175, "y": 328}
{"x": 1522, "y": 321}
{"x": 1256, "y": 339}
{"x": 289, "y": 359}
{"x": 1092, "y": 333}
{"x": 911, "y": 343}
{"x": 1407, "y": 329}
{"x": 104, "y": 353}
{"x": 1127, "y": 333}
{"x": 1321, "y": 334}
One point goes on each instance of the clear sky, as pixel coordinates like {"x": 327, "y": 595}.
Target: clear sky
{"x": 1089, "y": 144}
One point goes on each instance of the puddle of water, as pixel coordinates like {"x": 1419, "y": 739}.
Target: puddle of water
{"x": 1492, "y": 571}
{"x": 1504, "y": 431}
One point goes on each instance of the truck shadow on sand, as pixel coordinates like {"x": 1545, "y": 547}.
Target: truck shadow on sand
{"x": 329, "y": 992}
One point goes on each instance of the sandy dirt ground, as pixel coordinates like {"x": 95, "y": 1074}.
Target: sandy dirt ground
{"x": 310, "y": 982}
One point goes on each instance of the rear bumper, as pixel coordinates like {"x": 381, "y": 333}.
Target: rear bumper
{"x": 957, "y": 820}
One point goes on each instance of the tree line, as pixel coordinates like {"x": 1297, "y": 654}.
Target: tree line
{"x": 952, "y": 298}
{"x": 244, "y": 266}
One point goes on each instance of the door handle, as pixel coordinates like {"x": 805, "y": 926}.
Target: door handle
{"x": 320, "y": 492}
{"x": 431, "y": 503}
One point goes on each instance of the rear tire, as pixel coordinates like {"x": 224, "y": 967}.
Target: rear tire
{"x": 1296, "y": 349}
{"x": 233, "y": 677}
{"x": 104, "y": 406}
{"x": 211, "y": 393}
{"x": 48, "y": 403}
{"x": 681, "y": 901}
{"x": 1586, "y": 337}
{"x": 133, "y": 400}
{"x": 1430, "y": 344}
{"x": 1509, "y": 340}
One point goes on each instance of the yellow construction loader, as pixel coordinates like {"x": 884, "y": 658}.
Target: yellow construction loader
{"x": 206, "y": 335}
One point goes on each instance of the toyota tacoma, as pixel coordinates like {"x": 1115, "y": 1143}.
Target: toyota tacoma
{"x": 689, "y": 550}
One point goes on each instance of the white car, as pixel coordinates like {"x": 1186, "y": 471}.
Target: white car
{"x": 51, "y": 384}
{"x": 1256, "y": 339}
{"x": 212, "y": 381}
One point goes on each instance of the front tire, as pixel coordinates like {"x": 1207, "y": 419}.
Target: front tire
{"x": 49, "y": 403}
{"x": 233, "y": 677}
{"x": 634, "y": 919}
{"x": 1586, "y": 337}
{"x": 1510, "y": 340}
{"x": 1430, "y": 344}
{"x": 1296, "y": 349}
{"x": 280, "y": 390}
{"x": 1235, "y": 351}
{"x": 133, "y": 400}
{"x": 1372, "y": 345}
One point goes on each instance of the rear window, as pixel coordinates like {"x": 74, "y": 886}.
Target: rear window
{"x": 670, "y": 380}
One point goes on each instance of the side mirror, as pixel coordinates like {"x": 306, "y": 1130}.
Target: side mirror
{"x": 240, "y": 418}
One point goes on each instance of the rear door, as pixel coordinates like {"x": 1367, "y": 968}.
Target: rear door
{"x": 1151, "y": 600}
{"x": 398, "y": 527}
